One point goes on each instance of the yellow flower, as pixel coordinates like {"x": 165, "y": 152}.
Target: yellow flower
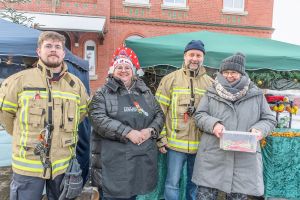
{"x": 263, "y": 142}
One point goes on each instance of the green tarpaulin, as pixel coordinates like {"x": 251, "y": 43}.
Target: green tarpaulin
{"x": 261, "y": 53}
{"x": 281, "y": 161}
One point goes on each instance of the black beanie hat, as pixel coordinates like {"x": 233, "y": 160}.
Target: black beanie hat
{"x": 235, "y": 62}
{"x": 196, "y": 45}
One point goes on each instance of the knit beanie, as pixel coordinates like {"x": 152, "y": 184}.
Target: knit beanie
{"x": 235, "y": 62}
{"x": 195, "y": 45}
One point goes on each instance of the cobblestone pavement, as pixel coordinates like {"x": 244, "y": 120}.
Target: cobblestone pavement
{"x": 5, "y": 177}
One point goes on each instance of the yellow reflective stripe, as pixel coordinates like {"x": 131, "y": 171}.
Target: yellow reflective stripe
{"x": 60, "y": 164}
{"x": 180, "y": 88}
{"x": 8, "y": 106}
{"x": 181, "y": 92}
{"x": 27, "y": 165}
{"x": 174, "y": 117}
{"x": 37, "y": 166}
{"x": 31, "y": 94}
{"x": 5, "y": 108}
{"x": 188, "y": 91}
{"x": 200, "y": 90}
{"x": 183, "y": 144}
{"x": 55, "y": 94}
{"x": 66, "y": 95}
{"x": 164, "y": 131}
{"x": 77, "y": 117}
{"x": 83, "y": 108}
{"x": 23, "y": 126}
{"x": 163, "y": 99}
{"x": 8, "y": 103}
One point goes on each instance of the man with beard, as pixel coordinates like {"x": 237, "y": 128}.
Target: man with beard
{"x": 41, "y": 108}
{"x": 179, "y": 93}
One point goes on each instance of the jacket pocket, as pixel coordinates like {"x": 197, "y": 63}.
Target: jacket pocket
{"x": 27, "y": 149}
{"x": 69, "y": 117}
{"x": 35, "y": 117}
{"x": 67, "y": 141}
{"x": 179, "y": 118}
{"x": 36, "y": 114}
{"x": 183, "y": 104}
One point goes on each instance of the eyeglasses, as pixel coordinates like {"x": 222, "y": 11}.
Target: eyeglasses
{"x": 231, "y": 73}
{"x": 121, "y": 68}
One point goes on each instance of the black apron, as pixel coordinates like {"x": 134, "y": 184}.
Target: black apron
{"x": 130, "y": 169}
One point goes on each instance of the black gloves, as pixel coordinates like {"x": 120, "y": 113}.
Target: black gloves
{"x": 191, "y": 110}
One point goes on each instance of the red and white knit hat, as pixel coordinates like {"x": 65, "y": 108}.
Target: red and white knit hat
{"x": 126, "y": 55}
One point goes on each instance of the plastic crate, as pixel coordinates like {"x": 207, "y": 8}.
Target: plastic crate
{"x": 238, "y": 141}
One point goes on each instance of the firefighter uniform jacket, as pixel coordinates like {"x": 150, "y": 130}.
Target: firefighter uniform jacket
{"x": 26, "y": 100}
{"x": 175, "y": 93}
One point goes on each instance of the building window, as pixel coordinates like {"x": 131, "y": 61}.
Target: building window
{"x": 175, "y": 3}
{"x": 137, "y": 1}
{"x": 90, "y": 56}
{"x": 234, "y": 5}
{"x": 134, "y": 37}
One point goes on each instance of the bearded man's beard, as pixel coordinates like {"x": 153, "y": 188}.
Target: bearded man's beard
{"x": 52, "y": 64}
{"x": 199, "y": 64}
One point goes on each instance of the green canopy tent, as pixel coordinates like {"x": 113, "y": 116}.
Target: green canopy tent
{"x": 261, "y": 53}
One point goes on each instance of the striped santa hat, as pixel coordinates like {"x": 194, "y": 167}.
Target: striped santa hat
{"x": 126, "y": 55}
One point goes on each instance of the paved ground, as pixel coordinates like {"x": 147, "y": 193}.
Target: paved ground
{"x": 5, "y": 177}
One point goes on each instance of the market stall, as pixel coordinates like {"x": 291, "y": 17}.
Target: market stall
{"x": 270, "y": 64}
{"x": 280, "y": 149}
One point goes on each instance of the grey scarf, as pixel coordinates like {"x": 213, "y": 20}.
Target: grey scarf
{"x": 233, "y": 91}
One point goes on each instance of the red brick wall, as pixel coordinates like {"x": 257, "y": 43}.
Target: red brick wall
{"x": 200, "y": 11}
{"x": 79, "y": 7}
{"x": 259, "y": 12}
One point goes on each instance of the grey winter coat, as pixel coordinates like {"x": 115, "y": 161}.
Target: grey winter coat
{"x": 230, "y": 171}
{"x": 127, "y": 169}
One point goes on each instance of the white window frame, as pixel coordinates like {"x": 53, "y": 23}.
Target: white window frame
{"x": 91, "y": 57}
{"x": 233, "y": 8}
{"x": 137, "y": 3}
{"x": 183, "y": 5}
{"x": 135, "y": 37}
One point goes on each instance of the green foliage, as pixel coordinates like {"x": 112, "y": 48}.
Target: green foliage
{"x": 153, "y": 75}
{"x": 264, "y": 78}
{"x": 12, "y": 14}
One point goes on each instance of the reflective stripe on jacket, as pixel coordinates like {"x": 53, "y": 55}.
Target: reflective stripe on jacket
{"x": 174, "y": 96}
{"x": 24, "y": 104}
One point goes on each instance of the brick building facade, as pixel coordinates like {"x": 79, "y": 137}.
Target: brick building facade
{"x": 147, "y": 18}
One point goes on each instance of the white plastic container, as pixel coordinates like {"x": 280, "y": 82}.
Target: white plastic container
{"x": 238, "y": 141}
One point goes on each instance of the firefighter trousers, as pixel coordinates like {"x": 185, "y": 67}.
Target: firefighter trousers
{"x": 31, "y": 188}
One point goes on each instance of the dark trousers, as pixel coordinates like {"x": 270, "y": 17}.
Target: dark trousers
{"x": 112, "y": 198}
{"x": 31, "y": 188}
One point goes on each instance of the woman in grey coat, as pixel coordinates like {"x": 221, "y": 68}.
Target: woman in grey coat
{"x": 233, "y": 103}
{"x": 126, "y": 116}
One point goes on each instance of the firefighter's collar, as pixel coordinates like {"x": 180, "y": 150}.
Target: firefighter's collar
{"x": 201, "y": 71}
{"x": 48, "y": 72}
